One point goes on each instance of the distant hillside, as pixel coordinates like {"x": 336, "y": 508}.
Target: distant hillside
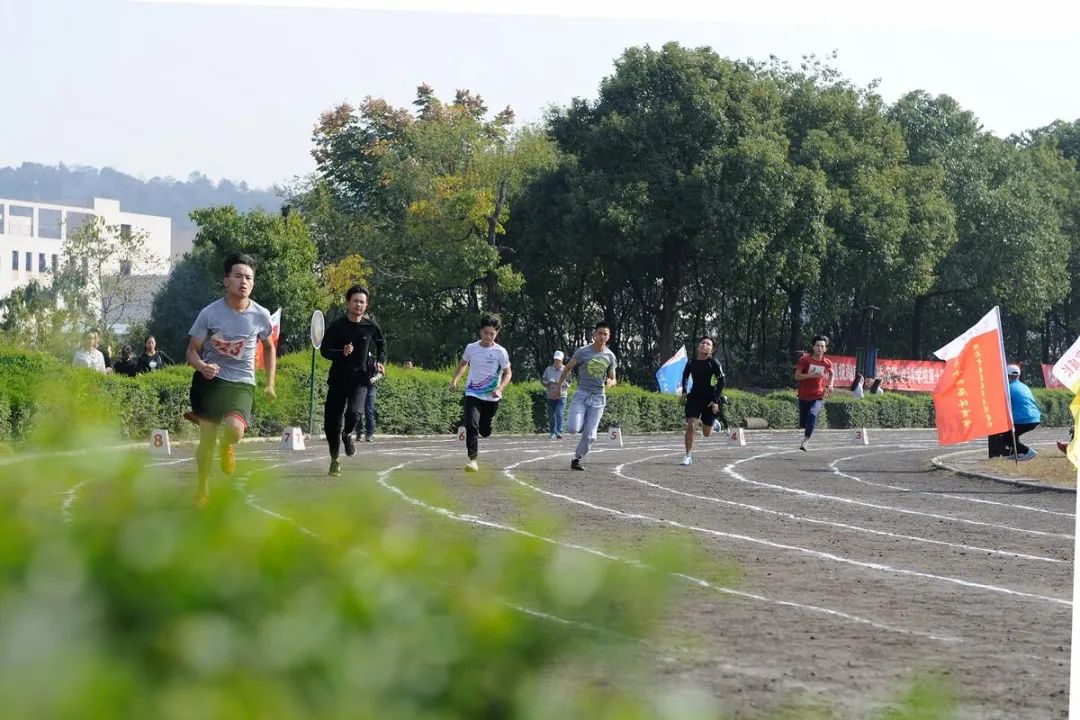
{"x": 78, "y": 185}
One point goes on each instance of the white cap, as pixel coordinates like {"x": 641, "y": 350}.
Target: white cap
{"x": 558, "y": 355}
{"x": 1012, "y": 370}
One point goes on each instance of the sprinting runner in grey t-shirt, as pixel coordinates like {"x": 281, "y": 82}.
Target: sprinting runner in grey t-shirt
{"x": 221, "y": 348}
{"x": 596, "y": 372}
{"x": 229, "y": 338}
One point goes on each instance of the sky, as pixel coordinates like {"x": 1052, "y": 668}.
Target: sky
{"x": 233, "y": 90}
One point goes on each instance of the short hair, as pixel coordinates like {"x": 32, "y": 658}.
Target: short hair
{"x": 601, "y": 324}
{"x": 823, "y": 338}
{"x": 238, "y": 258}
{"x": 491, "y": 321}
{"x": 706, "y": 337}
{"x": 148, "y": 338}
{"x": 356, "y": 289}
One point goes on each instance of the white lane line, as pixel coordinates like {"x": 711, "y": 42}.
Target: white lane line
{"x": 730, "y": 470}
{"x": 831, "y": 557}
{"x": 965, "y": 498}
{"x": 69, "y": 500}
{"x": 250, "y": 500}
{"x": 618, "y": 471}
{"x": 169, "y": 462}
{"x": 383, "y": 479}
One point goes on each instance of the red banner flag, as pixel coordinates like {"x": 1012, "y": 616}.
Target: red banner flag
{"x": 971, "y": 399}
{"x": 1049, "y": 379}
{"x": 909, "y": 375}
{"x": 275, "y": 324}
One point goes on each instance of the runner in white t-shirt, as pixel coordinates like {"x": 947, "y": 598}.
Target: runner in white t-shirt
{"x": 489, "y": 374}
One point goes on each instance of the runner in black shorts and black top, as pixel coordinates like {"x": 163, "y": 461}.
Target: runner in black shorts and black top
{"x": 704, "y": 398}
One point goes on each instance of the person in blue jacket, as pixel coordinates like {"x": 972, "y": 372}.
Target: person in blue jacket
{"x": 1025, "y": 416}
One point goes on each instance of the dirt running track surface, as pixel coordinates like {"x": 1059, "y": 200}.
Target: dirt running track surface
{"x": 861, "y": 565}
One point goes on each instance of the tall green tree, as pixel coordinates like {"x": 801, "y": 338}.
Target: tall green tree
{"x": 1008, "y": 232}
{"x": 1055, "y": 151}
{"x": 33, "y": 318}
{"x": 423, "y": 195}
{"x": 676, "y": 161}
{"x": 871, "y": 231}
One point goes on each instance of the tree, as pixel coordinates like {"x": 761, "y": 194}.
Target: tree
{"x": 32, "y": 318}
{"x": 1055, "y": 150}
{"x": 677, "y": 163}
{"x": 876, "y": 224}
{"x": 423, "y": 195}
{"x": 1008, "y": 230}
{"x": 95, "y": 280}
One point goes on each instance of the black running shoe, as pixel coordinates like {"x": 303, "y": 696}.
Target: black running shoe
{"x": 335, "y": 468}
{"x": 575, "y": 464}
{"x": 350, "y": 446}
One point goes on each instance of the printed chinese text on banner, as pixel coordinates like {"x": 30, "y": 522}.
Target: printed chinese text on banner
{"x": 275, "y": 324}
{"x": 669, "y": 376}
{"x": 909, "y": 375}
{"x": 1067, "y": 371}
{"x": 971, "y": 400}
{"x": 843, "y": 368}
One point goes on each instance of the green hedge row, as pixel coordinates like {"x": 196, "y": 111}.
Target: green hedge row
{"x": 40, "y": 395}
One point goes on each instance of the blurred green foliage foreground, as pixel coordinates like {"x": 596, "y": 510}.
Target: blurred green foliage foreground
{"x": 120, "y": 599}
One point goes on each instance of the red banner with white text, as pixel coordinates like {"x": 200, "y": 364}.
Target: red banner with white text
{"x": 902, "y": 375}
{"x": 909, "y": 375}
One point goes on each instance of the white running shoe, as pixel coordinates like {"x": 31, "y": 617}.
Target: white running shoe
{"x": 687, "y": 460}
{"x": 717, "y": 426}
{"x": 471, "y": 466}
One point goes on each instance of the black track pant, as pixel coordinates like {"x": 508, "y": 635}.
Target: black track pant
{"x": 478, "y": 417}
{"x": 1001, "y": 444}
{"x": 347, "y": 399}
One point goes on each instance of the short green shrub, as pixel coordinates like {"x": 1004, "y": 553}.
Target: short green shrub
{"x": 37, "y": 394}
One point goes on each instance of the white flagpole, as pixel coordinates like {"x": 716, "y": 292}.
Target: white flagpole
{"x": 1005, "y": 377}
{"x": 1074, "y": 665}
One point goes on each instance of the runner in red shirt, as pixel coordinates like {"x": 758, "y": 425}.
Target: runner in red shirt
{"x": 815, "y": 375}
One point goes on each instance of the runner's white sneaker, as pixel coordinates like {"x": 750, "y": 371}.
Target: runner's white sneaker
{"x": 471, "y": 466}
{"x": 687, "y": 460}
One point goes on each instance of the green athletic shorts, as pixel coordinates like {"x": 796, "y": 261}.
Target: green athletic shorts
{"x": 214, "y": 400}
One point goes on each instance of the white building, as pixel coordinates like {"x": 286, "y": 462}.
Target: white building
{"x": 32, "y": 235}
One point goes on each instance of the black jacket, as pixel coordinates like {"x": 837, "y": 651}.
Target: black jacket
{"x": 366, "y": 336}
{"x": 143, "y": 363}
{"x": 125, "y": 367}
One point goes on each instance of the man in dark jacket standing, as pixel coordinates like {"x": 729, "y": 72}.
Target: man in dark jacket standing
{"x": 346, "y": 345}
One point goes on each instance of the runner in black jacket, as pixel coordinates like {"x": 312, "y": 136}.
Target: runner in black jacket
{"x": 704, "y": 399}
{"x": 346, "y": 345}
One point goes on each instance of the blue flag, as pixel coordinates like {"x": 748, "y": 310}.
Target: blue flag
{"x": 669, "y": 376}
